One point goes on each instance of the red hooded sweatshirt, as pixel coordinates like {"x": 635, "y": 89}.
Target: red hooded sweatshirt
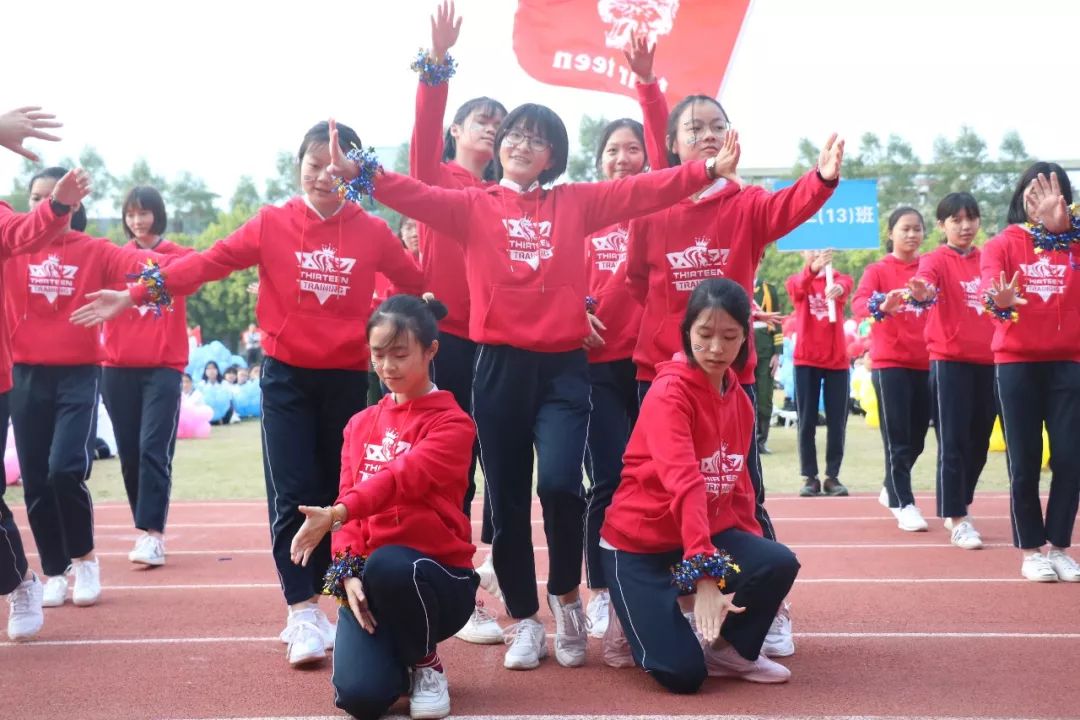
{"x": 1049, "y": 324}
{"x": 605, "y": 251}
{"x": 526, "y": 251}
{"x": 442, "y": 258}
{"x": 684, "y": 474}
{"x": 316, "y": 279}
{"x": 957, "y": 325}
{"x": 896, "y": 341}
{"x": 140, "y": 339}
{"x": 43, "y": 288}
{"x": 722, "y": 235}
{"x": 404, "y": 472}
{"x": 819, "y": 343}
{"x": 23, "y": 233}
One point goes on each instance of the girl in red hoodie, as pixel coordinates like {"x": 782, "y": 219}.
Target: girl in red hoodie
{"x": 821, "y": 361}
{"x": 317, "y": 258}
{"x": 403, "y": 560}
{"x": 145, "y": 357}
{"x": 54, "y": 399}
{"x": 682, "y": 522}
{"x": 1031, "y": 272}
{"x": 901, "y": 363}
{"x": 958, "y": 333}
{"x": 527, "y": 285}
{"x": 460, "y": 158}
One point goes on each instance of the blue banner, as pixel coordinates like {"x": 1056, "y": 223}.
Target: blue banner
{"x": 848, "y": 221}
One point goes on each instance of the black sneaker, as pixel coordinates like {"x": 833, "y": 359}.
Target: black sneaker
{"x": 834, "y": 488}
{"x": 763, "y": 449}
{"x": 811, "y": 487}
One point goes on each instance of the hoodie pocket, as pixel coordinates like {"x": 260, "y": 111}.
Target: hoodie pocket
{"x": 528, "y": 317}
{"x": 321, "y": 341}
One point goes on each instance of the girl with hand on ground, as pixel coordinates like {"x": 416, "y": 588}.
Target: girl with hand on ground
{"x": 681, "y": 534}
{"x": 403, "y": 556}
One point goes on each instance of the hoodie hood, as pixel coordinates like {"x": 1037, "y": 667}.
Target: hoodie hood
{"x": 679, "y": 366}
{"x": 434, "y": 401}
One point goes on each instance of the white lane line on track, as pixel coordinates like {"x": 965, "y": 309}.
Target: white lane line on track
{"x": 637, "y": 717}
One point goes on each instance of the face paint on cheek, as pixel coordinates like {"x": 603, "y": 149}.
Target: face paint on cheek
{"x": 697, "y": 348}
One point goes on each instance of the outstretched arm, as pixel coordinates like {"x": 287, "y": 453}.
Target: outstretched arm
{"x": 29, "y": 232}
{"x": 21, "y": 124}
{"x": 426, "y": 148}
{"x": 654, "y": 109}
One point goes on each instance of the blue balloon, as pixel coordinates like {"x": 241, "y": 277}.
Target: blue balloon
{"x": 247, "y": 399}
{"x": 218, "y": 398}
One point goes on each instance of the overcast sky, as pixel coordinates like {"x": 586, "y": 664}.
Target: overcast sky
{"x": 219, "y": 87}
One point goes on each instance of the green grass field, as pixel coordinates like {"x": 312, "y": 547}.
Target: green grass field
{"x": 228, "y": 465}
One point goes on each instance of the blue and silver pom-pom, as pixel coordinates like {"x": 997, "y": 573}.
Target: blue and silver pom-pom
{"x": 719, "y": 566}
{"x": 873, "y": 306}
{"x": 591, "y": 304}
{"x": 1009, "y": 314}
{"x": 364, "y": 183}
{"x": 1046, "y": 241}
{"x": 345, "y": 565}
{"x": 151, "y": 277}
{"x": 432, "y": 72}
{"x": 914, "y": 304}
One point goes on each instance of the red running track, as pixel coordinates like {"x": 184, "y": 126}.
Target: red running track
{"x": 887, "y": 624}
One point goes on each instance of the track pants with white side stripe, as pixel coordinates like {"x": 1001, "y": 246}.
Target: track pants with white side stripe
{"x": 964, "y": 412}
{"x": 904, "y": 410}
{"x": 13, "y": 564}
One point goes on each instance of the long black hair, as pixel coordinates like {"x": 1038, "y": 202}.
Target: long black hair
{"x": 409, "y": 314}
{"x": 718, "y": 294}
{"x": 1017, "y": 211}
{"x": 78, "y": 216}
{"x": 483, "y": 105}
{"x": 673, "y": 122}
{"x": 633, "y": 126}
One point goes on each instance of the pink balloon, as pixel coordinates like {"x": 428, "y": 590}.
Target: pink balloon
{"x": 11, "y": 465}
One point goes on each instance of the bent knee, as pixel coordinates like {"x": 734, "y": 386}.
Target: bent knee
{"x": 362, "y": 699}
{"x": 681, "y": 680}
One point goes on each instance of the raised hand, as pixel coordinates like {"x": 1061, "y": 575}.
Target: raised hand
{"x": 444, "y": 30}
{"x": 727, "y": 159}
{"x": 831, "y": 158}
{"x": 821, "y": 259}
{"x": 73, "y": 187}
{"x": 104, "y": 305}
{"x": 1045, "y": 203}
{"x": 1006, "y": 294}
{"x": 23, "y": 123}
{"x": 317, "y": 522}
{"x": 639, "y": 56}
{"x": 340, "y": 166}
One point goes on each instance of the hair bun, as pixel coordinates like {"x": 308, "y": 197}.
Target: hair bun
{"x": 435, "y": 307}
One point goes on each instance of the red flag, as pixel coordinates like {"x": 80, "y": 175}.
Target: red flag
{"x": 579, "y": 43}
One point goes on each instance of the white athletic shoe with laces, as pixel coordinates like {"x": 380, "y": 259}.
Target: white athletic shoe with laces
{"x": 779, "y": 641}
{"x": 55, "y": 591}
{"x": 727, "y": 662}
{"x": 571, "y": 631}
{"x": 482, "y": 628}
{"x": 306, "y": 641}
{"x": 149, "y": 550}
{"x": 598, "y": 612}
{"x": 1037, "y": 568}
{"x": 25, "y": 617}
{"x": 911, "y": 520}
{"x": 488, "y": 580}
{"x": 528, "y": 645}
{"x": 1064, "y": 566}
{"x": 87, "y": 588}
{"x": 430, "y": 694}
{"x": 883, "y": 500}
{"x": 965, "y": 536}
{"x": 327, "y": 629}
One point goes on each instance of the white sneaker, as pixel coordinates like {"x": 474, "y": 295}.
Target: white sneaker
{"x": 527, "y": 645}
{"x": 570, "y": 631}
{"x": 779, "y": 642}
{"x": 87, "y": 588}
{"x": 322, "y": 623}
{"x": 488, "y": 580}
{"x": 598, "y": 612}
{"x": 964, "y": 535}
{"x": 55, "y": 591}
{"x": 910, "y": 519}
{"x": 883, "y": 500}
{"x": 1037, "y": 568}
{"x": 26, "y": 618}
{"x": 482, "y": 629}
{"x": 1064, "y": 566}
{"x": 306, "y": 641}
{"x": 430, "y": 694}
{"x": 149, "y": 550}
{"x": 729, "y": 663}
{"x": 616, "y": 648}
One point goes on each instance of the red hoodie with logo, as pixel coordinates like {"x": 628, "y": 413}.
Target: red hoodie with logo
{"x": 896, "y": 341}
{"x": 316, "y": 279}
{"x": 404, "y": 473}
{"x": 722, "y": 235}
{"x": 684, "y": 474}
{"x": 526, "y": 251}
{"x": 957, "y": 325}
{"x": 23, "y": 233}
{"x": 138, "y": 338}
{"x": 1049, "y": 325}
{"x": 819, "y": 343}
{"x": 43, "y": 289}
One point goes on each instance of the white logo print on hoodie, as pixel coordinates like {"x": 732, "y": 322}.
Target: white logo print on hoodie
{"x": 51, "y": 279}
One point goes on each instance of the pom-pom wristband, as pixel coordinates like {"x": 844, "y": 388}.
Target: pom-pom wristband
{"x": 873, "y": 306}
{"x": 719, "y": 566}
{"x": 151, "y": 278}
{"x": 432, "y": 72}
{"x": 590, "y": 304}
{"x": 1009, "y": 314}
{"x": 364, "y": 183}
{"x": 914, "y": 304}
{"x": 1046, "y": 241}
{"x": 345, "y": 565}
